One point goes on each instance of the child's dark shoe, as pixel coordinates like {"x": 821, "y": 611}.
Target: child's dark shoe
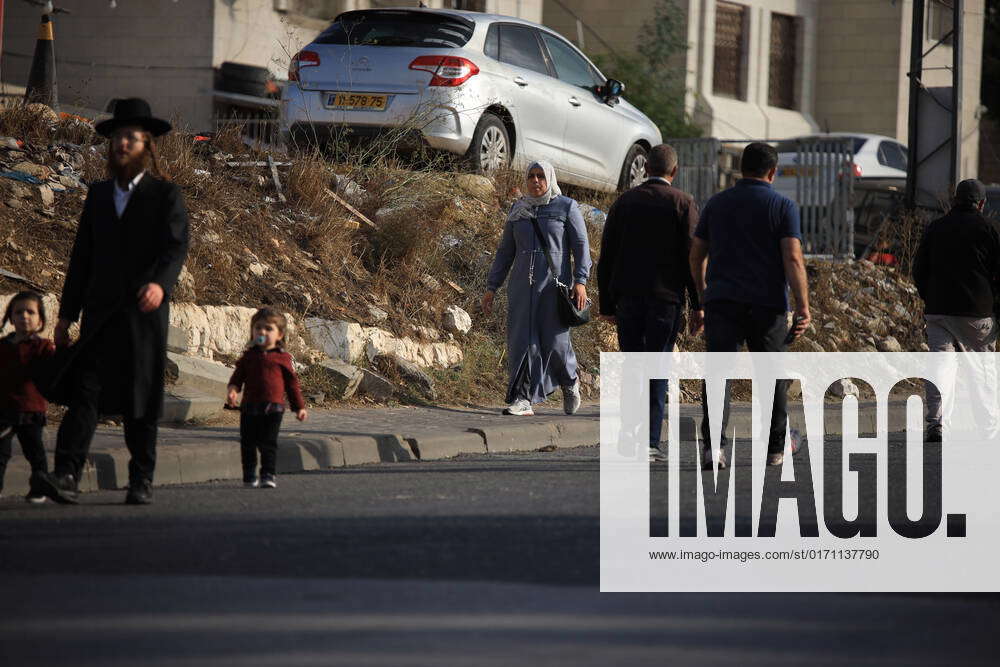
{"x": 268, "y": 482}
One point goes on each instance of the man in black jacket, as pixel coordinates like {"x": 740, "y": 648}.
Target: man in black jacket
{"x": 957, "y": 272}
{"x": 130, "y": 246}
{"x": 643, "y": 271}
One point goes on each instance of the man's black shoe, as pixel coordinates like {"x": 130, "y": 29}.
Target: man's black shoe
{"x": 139, "y": 494}
{"x": 61, "y": 489}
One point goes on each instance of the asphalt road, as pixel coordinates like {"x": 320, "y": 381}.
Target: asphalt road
{"x": 486, "y": 560}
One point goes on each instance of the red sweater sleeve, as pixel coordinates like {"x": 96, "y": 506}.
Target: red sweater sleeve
{"x": 292, "y": 388}
{"x": 240, "y": 372}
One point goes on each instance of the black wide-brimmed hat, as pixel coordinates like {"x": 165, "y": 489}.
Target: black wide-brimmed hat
{"x": 132, "y": 111}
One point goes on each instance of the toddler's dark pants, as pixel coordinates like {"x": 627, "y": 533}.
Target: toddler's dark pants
{"x": 259, "y": 432}
{"x": 30, "y": 437}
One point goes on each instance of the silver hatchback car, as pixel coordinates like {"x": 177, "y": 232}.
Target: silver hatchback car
{"x": 496, "y": 89}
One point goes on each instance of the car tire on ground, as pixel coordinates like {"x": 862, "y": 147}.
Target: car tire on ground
{"x": 634, "y": 168}
{"x": 490, "y": 148}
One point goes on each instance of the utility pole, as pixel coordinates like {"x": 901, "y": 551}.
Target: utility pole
{"x": 931, "y": 169}
{"x": 916, "y": 72}
{"x": 957, "y": 46}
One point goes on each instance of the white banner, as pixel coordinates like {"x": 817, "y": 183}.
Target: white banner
{"x": 865, "y": 505}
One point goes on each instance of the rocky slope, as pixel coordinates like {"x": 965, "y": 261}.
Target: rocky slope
{"x": 379, "y": 264}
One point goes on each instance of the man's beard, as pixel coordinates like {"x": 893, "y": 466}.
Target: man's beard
{"x": 130, "y": 167}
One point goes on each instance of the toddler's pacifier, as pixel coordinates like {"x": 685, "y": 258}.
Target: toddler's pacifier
{"x": 260, "y": 340}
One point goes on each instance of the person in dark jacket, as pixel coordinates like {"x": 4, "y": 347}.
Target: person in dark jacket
{"x": 643, "y": 273}
{"x": 957, "y": 273}
{"x": 265, "y": 375}
{"x": 129, "y": 249}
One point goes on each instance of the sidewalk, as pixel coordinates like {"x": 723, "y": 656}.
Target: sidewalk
{"x": 329, "y": 439}
{"x": 344, "y": 437}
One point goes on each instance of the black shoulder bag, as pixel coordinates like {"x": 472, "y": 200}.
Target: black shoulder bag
{"x": 570, "y": 315}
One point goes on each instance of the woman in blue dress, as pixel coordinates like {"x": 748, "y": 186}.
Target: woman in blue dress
{"x": 540, "y": 353}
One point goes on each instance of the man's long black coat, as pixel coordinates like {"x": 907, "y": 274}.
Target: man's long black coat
{"x": 112, "y": 259}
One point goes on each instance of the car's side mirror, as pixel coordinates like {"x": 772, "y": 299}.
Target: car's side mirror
{"x": 612, "y": 90}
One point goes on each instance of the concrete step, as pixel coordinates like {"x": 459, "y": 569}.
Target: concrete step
{"x": 181, "y": 404}
{"x": 209, "y": 378}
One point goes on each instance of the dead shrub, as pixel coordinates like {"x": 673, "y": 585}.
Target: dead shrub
{"x": 20, "y": 122}
{"x": 309, "y": 178}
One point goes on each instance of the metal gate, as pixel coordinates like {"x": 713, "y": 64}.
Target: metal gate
{"x": 697, "y": 167}
{"x": 823, "y": 177}
{"x": 820, "y": 179}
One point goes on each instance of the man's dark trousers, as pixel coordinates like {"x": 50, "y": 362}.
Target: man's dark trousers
{"x": 647, "y": 324}
{"x": 728, "y": 325}
{"x": 77, "y": 429}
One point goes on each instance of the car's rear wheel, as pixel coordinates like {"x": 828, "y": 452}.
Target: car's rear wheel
{"x": 490, "y": 149}
{"x": 633, "y": 169}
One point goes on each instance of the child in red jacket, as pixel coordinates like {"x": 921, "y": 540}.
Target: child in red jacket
{"x": 22, "y": 408}
{"x": 265, "y": 375}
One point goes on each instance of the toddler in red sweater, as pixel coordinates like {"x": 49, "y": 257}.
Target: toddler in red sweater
{"x": 22, "y": 408}
{"x": 265, "y": 376}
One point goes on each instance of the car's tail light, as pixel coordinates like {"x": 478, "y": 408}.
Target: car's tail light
{"x": 857, "y": 169}
{"x": 300, "y": 60}
{"x": 447, "y": 70}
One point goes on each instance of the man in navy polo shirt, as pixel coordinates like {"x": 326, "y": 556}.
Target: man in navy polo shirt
{"x": 746, "y": 253}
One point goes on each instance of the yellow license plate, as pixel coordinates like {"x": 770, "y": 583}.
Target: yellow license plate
{"x": 357, "y": 101}
{"x": 808, "y": 172}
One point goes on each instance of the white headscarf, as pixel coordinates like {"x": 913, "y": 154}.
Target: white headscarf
{"x": 526, "y": 205}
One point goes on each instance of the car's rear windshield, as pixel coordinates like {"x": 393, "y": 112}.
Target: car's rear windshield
{"x": 398, "y": 28}
{"x": 831, "y": 144}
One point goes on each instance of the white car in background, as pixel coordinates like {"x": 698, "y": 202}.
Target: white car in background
{"x": 870, "y": 156}
{"x": 499, "y": 90}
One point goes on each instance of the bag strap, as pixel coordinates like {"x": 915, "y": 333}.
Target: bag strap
{"x": 545, "y": 248}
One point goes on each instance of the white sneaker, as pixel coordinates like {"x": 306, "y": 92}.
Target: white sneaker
{"x": 520, "y": 407}
{"x": 797, "y": 441}
{"x": 571, "y": 398}
{"x": 710, "y": 460}
{"x": 657, "y": 454}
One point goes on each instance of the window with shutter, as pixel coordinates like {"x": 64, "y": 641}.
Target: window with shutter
{"x": 469, "y": 5}
{"x": 728, "y": 77}
{"x": 784, "y": 57}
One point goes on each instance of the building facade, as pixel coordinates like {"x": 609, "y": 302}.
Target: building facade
{"x": 771, "y": 69}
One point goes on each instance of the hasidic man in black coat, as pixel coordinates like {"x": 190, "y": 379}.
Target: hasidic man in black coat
{"x": 130, "y": 246}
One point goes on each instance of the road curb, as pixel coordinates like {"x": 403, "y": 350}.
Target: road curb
{"x": 208, "y": 459}
{"x": 832, "y": 423}
{"x": 569, "y": 432}
{"x": 434, "y": 447}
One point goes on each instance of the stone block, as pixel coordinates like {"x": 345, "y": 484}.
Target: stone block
{"x": 199, "y": 375}
{"x": 337, "y": 339}
{"x": 375, "y": 386}
{"x": 457, "y": 320}
{"x": 343, "y": 378}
